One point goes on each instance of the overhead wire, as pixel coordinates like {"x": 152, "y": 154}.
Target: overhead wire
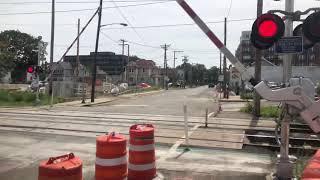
{"x": 140, "y": 27}
{"x": 77, "y": 2}
{"x": 229, "y": 10}
{"x": 80, "y": 10}
{"x": 184, "y": 24}
{"x": 126, "y": 19}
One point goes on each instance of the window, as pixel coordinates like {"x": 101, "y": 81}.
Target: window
{"x": 143, "y": 70}
{"x": 246, "y": 57}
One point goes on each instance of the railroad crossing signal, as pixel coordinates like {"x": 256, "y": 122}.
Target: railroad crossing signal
{"x": 266, "y": 30}
{"x": 30, "y": 69}
{"x": 309, "y": 30}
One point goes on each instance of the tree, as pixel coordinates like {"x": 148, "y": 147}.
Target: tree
{"x": 213, "y": 75}
{"x": 6, "y": 63}
{"x": 22, "y": 49}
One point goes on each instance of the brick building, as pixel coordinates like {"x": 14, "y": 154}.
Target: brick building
{"x": 143, "y": 71}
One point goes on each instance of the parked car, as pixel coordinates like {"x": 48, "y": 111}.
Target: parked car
{"x": 273, "y": 85}
{"x": 211, "y": 85}
{"x": 143, "y": 85}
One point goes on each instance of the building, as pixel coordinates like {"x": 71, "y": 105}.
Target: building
{"x": 246, "y": 51}
{"x": 109, "y": 62}
{"x": 246, "y": 54}
{"x": 6, "y": 78}
{"x": 143, "y": 71}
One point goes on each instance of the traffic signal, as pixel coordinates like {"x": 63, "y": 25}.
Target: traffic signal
{"x": 31, "y": 69}
{"x": 309, "y": 30}
{"x": 266, "y": 30}
{"x": 311, "y": 27}
{"x": 298, "y": 31}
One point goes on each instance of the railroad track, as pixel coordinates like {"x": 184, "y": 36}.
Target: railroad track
{"x": 302, "y": 139}
{"x": 170, "y": 128}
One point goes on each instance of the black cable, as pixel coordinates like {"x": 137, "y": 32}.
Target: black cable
{"x": 145, "y": 27}
{"x": 77, "y": 2}
{"x": 79, "y": 10}
{"x": 229, "y": 9}
{"x": 126, "y": 19}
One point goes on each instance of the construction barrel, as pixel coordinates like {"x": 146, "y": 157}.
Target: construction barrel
{"x": 312, "y": 169}
{"x": 142, "y": 164}
{"x": 66, "y": 167}
{"x": 111, "y": 157}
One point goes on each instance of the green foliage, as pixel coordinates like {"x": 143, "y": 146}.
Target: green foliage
{"x": 198, "y": 74}
{"x": 246, "y": 95}
{"x": 6, "y": 63}
{"x": 266, "y": 111}
{"x": 19, "y": 50}
{"x": 270, "y": 111}
{"x": 248, "y": 108}
{"x": 4, "y": 96}
{"x": 18, "y": 98}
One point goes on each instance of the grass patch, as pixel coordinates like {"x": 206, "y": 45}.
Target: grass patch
{"x": 19, "y": 98}
{"x": 246, "y": 95}
{"x": 266, "y": 111}
{"x": 132, "y": 90}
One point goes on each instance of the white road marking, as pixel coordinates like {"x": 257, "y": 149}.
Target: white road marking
{"x": 178, "y": 143}
{"x": 210, "y": 114}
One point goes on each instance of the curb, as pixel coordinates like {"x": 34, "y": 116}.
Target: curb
{"x": 93, "y": 104}
{"x": 226, "y": 100}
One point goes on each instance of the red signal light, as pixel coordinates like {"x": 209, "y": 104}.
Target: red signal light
{"x": 30, "y": 69}
{"x": 268, "y": 28}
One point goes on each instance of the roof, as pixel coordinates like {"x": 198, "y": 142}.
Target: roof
{"x": 142, "y": 63}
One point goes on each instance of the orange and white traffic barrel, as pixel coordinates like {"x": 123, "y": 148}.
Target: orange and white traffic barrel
{"x": 312, "y": 169}
{"x": 66, "y": 167}
{"x": 111, "y": 157}
{"x": 142, "y": 165}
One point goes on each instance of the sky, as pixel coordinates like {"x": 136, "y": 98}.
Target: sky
{"x": 151, "y": 23}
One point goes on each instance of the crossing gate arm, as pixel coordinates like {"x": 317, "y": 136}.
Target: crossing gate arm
{"x": 246, "y": 75}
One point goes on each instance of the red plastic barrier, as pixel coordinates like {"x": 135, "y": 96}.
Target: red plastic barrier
{"x": 312, "y": 170}
{"x": 111, "y": 157}
{"x": 66, "y": 167}
{"x": 142, "y": 165}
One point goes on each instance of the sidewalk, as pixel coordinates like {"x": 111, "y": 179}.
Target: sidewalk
{"x": 104, "y": 99}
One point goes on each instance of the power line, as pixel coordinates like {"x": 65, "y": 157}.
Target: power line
{"x": 186, "y": 24}
{"x": 77, "y": 2}
{"x": 126, "y": 19}
{"x": 80, "y": 10}
{"x": 230, "y": 6}
{"x": 139, "y": 27}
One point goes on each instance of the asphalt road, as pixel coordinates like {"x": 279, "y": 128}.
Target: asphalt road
{"x": 163, "y": 103}
{"x": 29, "y": 135}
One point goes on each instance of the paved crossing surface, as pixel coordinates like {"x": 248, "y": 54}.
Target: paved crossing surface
{"x": 28, "y": 135}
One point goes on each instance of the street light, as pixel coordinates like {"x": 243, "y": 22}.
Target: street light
{"x": 122, "y": 24}
{"x": 94, "y": 74}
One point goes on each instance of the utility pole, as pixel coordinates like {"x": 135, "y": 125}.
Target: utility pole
{"x": 78, "y": 46}
{"x": 284, "y": 166}
{"x": 174, "y": 58}
{"x": 52, "y": 44}
{"x": 165, "y": 47}
{"x": 128, "y": 58}
{"x": 78, "y": 67}
{"x": 220, "y": 64}
{"x": 257, "y": 69}
{"x": 225, "y": 62}
{"x": 122, "y": 44}
{"x": 94, "y": 72}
